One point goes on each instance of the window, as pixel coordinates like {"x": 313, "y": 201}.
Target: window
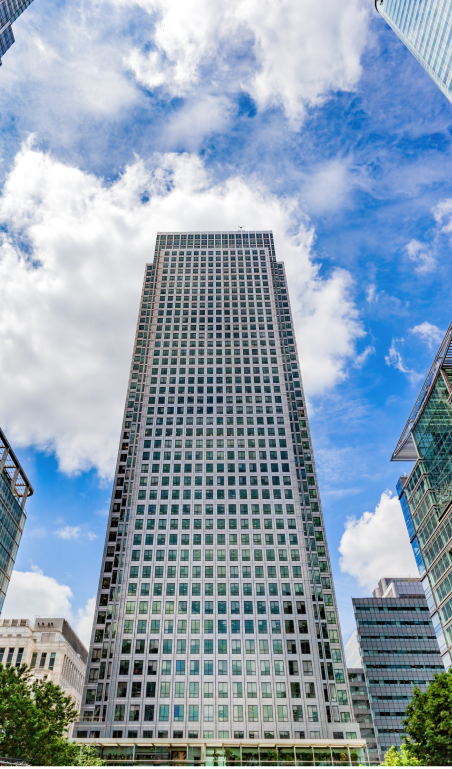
{"x": 179, "y": 689}
{"x": 283, "y": 714}
{"x": 223, "y": 713}
{"x": 208, "y": 712}
{"x": 313, "y": 714}
{"x": 237, "y": 712}
{"x": 253, "y": 714}
{"x": 193, "y": 712}
{"x": 267, "y": 711}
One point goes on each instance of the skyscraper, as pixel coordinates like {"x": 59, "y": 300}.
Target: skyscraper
{"x": 14, "y": 491}
{"x": 216, "y": 619}
{"x": 425, "y": 26}
{"x": 10, "y": 10}
{"x": 397, "y": 646}
{"x": 426, "y": 494}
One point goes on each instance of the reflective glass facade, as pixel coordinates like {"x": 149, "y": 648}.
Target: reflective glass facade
{"x": 399, "y": 650}
{"x": 425, "y": 26}
{"x": 14, "y": 490}
{"x": 426, "y": 494}
{"x": 216, "y": 616}
{"x": 10, "y": 10}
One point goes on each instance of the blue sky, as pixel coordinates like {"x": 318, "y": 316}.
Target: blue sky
{"x": 122, "y": 118}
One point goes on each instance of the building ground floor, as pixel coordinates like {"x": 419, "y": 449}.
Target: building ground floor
{"x": 125, "y": 752}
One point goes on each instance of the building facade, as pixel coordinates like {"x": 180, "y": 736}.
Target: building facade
{"x": 10, "y": 10}
{"x": 362, "y": 711}
{"x": 216, "y": 617}
{"x": 426, "y": 493}
{"x": 50, "y": 647}
{"x": 425, "y": 27}
{"x": 14, "y": 491}
{"x": 398, "y": 651}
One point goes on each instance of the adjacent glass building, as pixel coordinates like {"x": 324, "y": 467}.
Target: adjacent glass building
{"x": 425, "y": 26}
{"x": 216, "y": 621}
{"x": 14, "y": 490}
{"x": 426, "y": 494}
{"x": 397, "y": 646}
{"x": 10, "y": 10}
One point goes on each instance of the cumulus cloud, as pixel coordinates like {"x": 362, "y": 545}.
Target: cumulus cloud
{"x": 394, "y": 359}
{"x": 72, "y": 256}
{"x": 288, "y": 54}
{"x": 429, "y": 333}
{"x": 32, "y": 594}
{"x": 421, "y": 256}
{"x": 377, "y": 545}
{"x": 84, "y": 621}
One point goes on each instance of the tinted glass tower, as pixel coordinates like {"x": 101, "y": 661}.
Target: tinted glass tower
{"x": 426, "y": 494}
{"x": 14, "y": 491}
{"x": 9, "y": 12}
{"x": 425, "y": 26}
{"x": 216, "y": 617}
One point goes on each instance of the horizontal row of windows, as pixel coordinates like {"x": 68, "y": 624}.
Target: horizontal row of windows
{"x": 282, "y": 712}
{"x": 208, "y": 555}
{"x": 136, "y": 689}
{"x": 208, "y": 538}
{"x": 256, "y": 523}
{"x": 234, "y": 589}
{"x": 221, "y": 573}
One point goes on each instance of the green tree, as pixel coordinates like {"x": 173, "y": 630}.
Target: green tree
{"x": 428, "y": 723}
{"x": 34, "y": 719}
{"x": 404, "y": 758}
{"x": 89, "y": 756}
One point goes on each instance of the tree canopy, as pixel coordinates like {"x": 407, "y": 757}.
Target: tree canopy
{"x": 34, "y": 720}
{"x": 428, "y": 727}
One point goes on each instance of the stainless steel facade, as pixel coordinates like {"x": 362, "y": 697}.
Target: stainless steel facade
{"x": 216, "y": 617}
{"x": 14, "y": 491}
{"x": 425, "y": 26}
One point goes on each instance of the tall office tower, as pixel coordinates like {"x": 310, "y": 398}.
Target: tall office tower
{"x": 14, "y": 490}
{"x": 398, "y": 651}
{"x": 426, "y": 28}
{"x": 216, "y": 617}
{"x": 9, "y": 12}
{"x": 426, "y": 494}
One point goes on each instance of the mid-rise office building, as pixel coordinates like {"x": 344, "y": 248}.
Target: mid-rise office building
{"x": 216, "y": 622}
{"x": 426, "y": 29}
{"x": 10, "y": 10}
{"x": 50, "y": 647}
{"x": 426, "y": 493}
{"x": 361, "y": 706}
{"x": 397, "y": 645}
{"x": 14, "y": 491}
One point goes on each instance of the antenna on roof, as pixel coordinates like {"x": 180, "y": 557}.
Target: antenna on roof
{"x": 240, "y": 226}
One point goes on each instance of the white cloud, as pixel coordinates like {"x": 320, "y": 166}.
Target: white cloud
{"x": 394, "y": 358}
{"x": 362, "y": 357}
{"x": 69, "y": 532}
{"x": 377, "y": 545}
{"x": 32, "y": 594}
{"x": 84, "y": 621}
{"x": 429, "y": 333}
{"x": 72, "y": 256}
{"x": 422, "y": 258}
{"x": 288, "y": 54}
{"x": 74, "y": 532}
